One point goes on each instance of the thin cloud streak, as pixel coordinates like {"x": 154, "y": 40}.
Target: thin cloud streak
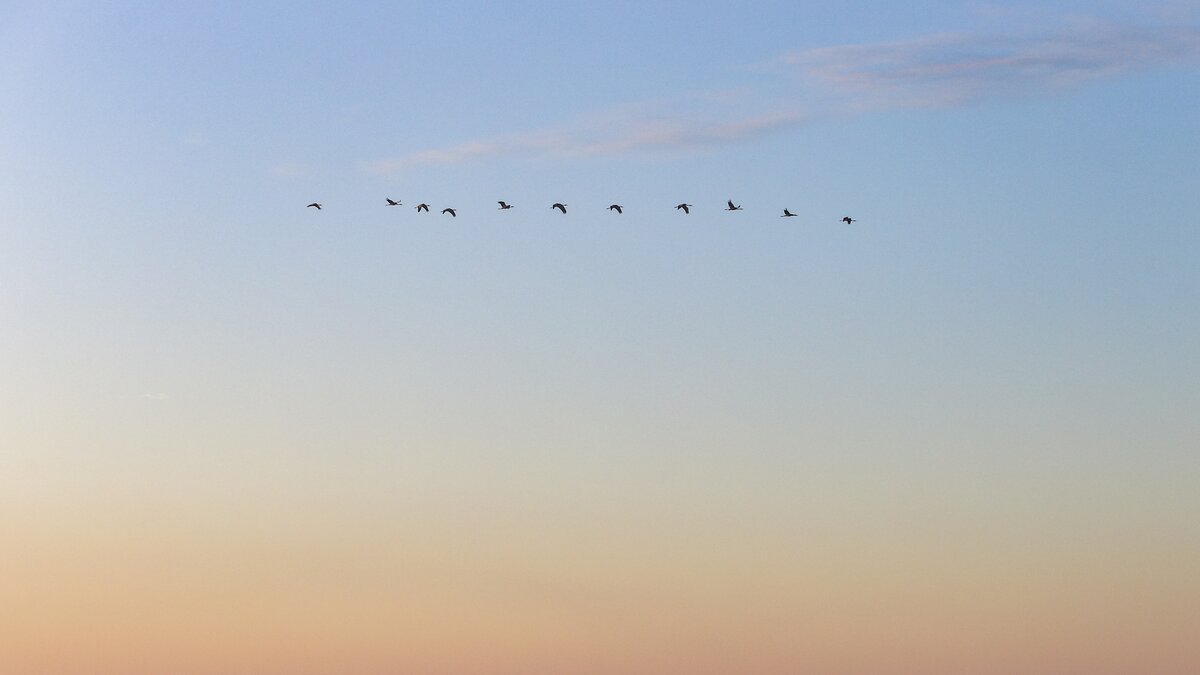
{"x": 289, "y": 170}
{"x": 948, "y": 70}
{"x": 679, "y": 135}
{"x": 601, "y": 137}
{"x": 931, "y": 72}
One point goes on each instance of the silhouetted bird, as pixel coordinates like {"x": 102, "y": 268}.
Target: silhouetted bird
{"x": 505, "y": 207}
{"x": 450, "y": 211}
{"x": 422, "y": 207}
{"x": 615, "y": 207}
{"x": 731, "y": 207}
{"x": 787, "y": 214}
{"x": 560, "y": 207}
{"x": 847, "y": 220}
{"x": 314, "y": 205}
{"x": 686, "y": 207}
{"x": 392, "y": 202}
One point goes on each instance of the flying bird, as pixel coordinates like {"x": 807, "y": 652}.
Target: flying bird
{"x": 314, "y": 205}
{"x": 731, "y": 207}
{"x": 422, "y": 207}
{"x": 615, "y": 207}
{"x": 560, "y": 207}
{"x": 505, "y": 207}
{"x": 686, "y": 207}
{"x": 450, "y": 211}
{"x": 392, "y": 202}
{"x": 847, "y": 220}
{"x": 787, "y": 214}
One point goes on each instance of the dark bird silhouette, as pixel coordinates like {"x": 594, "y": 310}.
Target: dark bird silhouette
{"x": 505, "y": 207}
{"x": 314, "y": 205}
{"x": 847, "y": 220}
{"x": 392, "y": 202}
{"x": 787, "y": 214}
{"x": 450, "y": 211}
{"x": 560, "y": 207}
{"x": 615, "y": 207}
{"x": 686, "y": 207}
{"x": 422, "y": 207}
{"x": 731, "y": 207}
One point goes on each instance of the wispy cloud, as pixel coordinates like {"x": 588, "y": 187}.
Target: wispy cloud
{"x": 609, "y": 133}
{"x": 933, "y": 71}
{"x": 289, "y": 170}
{"x": 948, "y": 70}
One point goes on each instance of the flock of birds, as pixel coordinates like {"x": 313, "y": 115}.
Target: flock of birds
{"x": 504, "y": 206}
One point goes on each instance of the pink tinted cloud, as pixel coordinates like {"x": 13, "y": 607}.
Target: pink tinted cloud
{"x": 952, "y": 69}
{"x": 932, "y": 72}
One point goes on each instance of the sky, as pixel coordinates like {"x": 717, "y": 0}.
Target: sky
{"x": 240, "y": 436}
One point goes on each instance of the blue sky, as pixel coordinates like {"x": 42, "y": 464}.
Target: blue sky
{"x": 1029, "y": 167}
{"x": 1010, "y": 329}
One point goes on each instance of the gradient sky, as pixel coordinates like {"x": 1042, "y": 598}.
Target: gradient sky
{"x": 239, "y": 436}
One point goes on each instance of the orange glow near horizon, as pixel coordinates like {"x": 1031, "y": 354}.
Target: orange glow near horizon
{"x": 169, "y": 589}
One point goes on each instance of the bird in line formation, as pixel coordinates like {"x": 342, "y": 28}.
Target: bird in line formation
{"x": 504, "y": 206}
